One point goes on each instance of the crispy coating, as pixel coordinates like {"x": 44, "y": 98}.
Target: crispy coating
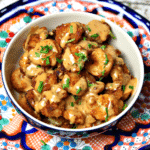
{"x": 35, "y": 36}
{"x": 20, "y": 82}
{"x": 63, "y": 33}
{"x": 100, "y": 64}
{"x": 45, "y": 56}
{"x": 48, "y": 80}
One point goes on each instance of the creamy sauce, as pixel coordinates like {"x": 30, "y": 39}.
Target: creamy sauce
{"x": 66, "y": 37}
{"x": 97, "y": 27}
{"x": 27, "y": 81}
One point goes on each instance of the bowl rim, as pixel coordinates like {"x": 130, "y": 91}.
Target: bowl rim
{"x": 66, "y": 129}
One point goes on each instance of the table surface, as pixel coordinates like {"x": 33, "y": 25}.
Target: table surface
{"x": 140, "y": 6}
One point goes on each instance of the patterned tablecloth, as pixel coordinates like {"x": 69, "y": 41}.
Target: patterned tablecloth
{"x": 132, "y": 132}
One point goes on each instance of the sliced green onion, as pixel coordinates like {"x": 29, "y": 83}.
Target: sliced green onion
{"x": 131, "y": 87}
{"x": 89, "y": 84}
{"x": 59, "y": 60}
{"x": 106, "y": 119}
{"x": 70, "y": 40}
{"x": 38, "y": 66}
{"x": 106, "y": 58}
{"x": 47, "y": 60}
{"x": 88, "y": 28}
{"x": 89, "y": 45}
{"x": 103, "y": 47}
{"x": 111, "y": 34}
{"x": 71, "y": 29}
{"x": 67, "y": 84}
{"x": 40, "y": 87}
{"x": 125, "y": 105}
{"x": 37, "y": 54}
{"x": 78, "y": 90}
{"x": 94, "y": 35}
{"x": 72, "y": 104}
{"x": 75, "y": 97}
{"x": 84, "y": 38}
{"x": 123, "y": 88}
{"x": 103, "y": 72}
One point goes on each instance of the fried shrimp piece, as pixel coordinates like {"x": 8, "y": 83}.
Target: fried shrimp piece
{"x": 28, "y": 68}
{"x": 35, "y": 36}
{"x": 115, "y": 54}
{"x": 74, "y": 58}
{"x": 88, "y": 45}
{"x": 20, "y": 82}
{"x": 22, "y": 101}
{"x": 129, "y": 88}
{"x": 46, "y": 80}
{"x": 45, "y": 53}
{"x": 100, "y": 64}
{"x": 98, "y": 31}
{"x": 54, "y": 103}
{"x": 106, "y": 106}
{"x": 69, "y": 32}
{"x": 74, "y": 83}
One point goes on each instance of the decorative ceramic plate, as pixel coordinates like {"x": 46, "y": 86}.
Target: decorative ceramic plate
{"x": 132, "y": 132}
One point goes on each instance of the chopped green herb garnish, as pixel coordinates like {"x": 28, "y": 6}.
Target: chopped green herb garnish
{"x": 70, "y": 40}
{"x": 101, "y": 78}
{"x": 78, "y": 90}
{"x": 59, "y": 60}
{"x": 43, "y": 58}
{"x": 84, "y": 38}
{"x": 123, "y": 88}
{"x": 125, "y": 105}
{"x": 80, "y": 69}
{"x": 46, "y": 49}
{"x": 88, "y": 28}
{"x": 46, "y": 35}
{"x": 75, "y": 126}
{"x": 38, "y": 66}
{"x": 89, "y": 84}
{"x": 43, "y": 142}
{"x": 103, "y": 47}
{"x": 47, "y": 60}
{"x": 75, "y": 97}
{"x": 131, "y": 87}
{"x": 72, "y": 104}
{"x": 106, "y": 119}
{"x": 89, "y": 45}
{"x": 103, "y": 72}
{"x": 94, "y": 35}
{"x": 71, "y": 29}
{"x": 67, "y": 84}
{"x": 106, "y": 62}
{"x": 40, "y": 87}
{"x": 82, "y": 56}
{"x": 129, "y": 4}
{"x": 37, "y": 54}
{"x": 111, "y": 34}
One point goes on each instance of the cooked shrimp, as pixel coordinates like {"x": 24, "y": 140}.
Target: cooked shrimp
{"x": 20, "y": 82}
{"x": 100, "y": 64}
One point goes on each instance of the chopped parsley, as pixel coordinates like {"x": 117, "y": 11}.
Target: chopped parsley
{"x": 38, "y": 66}
{"x": 67, "y": 84}
{"x": 94, "y": 35}
{"x": 37, "y": 54}
{"x": 43, "y": 142}
{"x": 59, "y": 60}
{"x": 78, "y": 90}
{"x": 71, "y": 29}
{"x": 106, "y": 119}
{"x": 84, "y": 38}
{"x": 103, "y": 47}
{"x": 72, "y": 104}
{"x": 80, "y": 68}
{"x": 123, "y": 88}
{"x": 40, "y": 87}
{"x": 46, "y": 49}
{"x": 103, "y": 72}
{"x": 88, "y": 28}
{"x": 70, "y": 40}
{"x": 43, "y": 58}
{"x": 82, "y": 56}
{"x": 111, "y": 34}
{"x": 75, "y": 97}
{"x": 125, "y": 105}
{"x": 47, "y": 60}
{"x": 106, "y": 62}
{"x": 89, "y": 45}
{"x": 131, "y": 87}
{"x": 89, "y": 84}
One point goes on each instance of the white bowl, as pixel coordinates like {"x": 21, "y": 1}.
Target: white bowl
{"x": 123, "y": 42}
